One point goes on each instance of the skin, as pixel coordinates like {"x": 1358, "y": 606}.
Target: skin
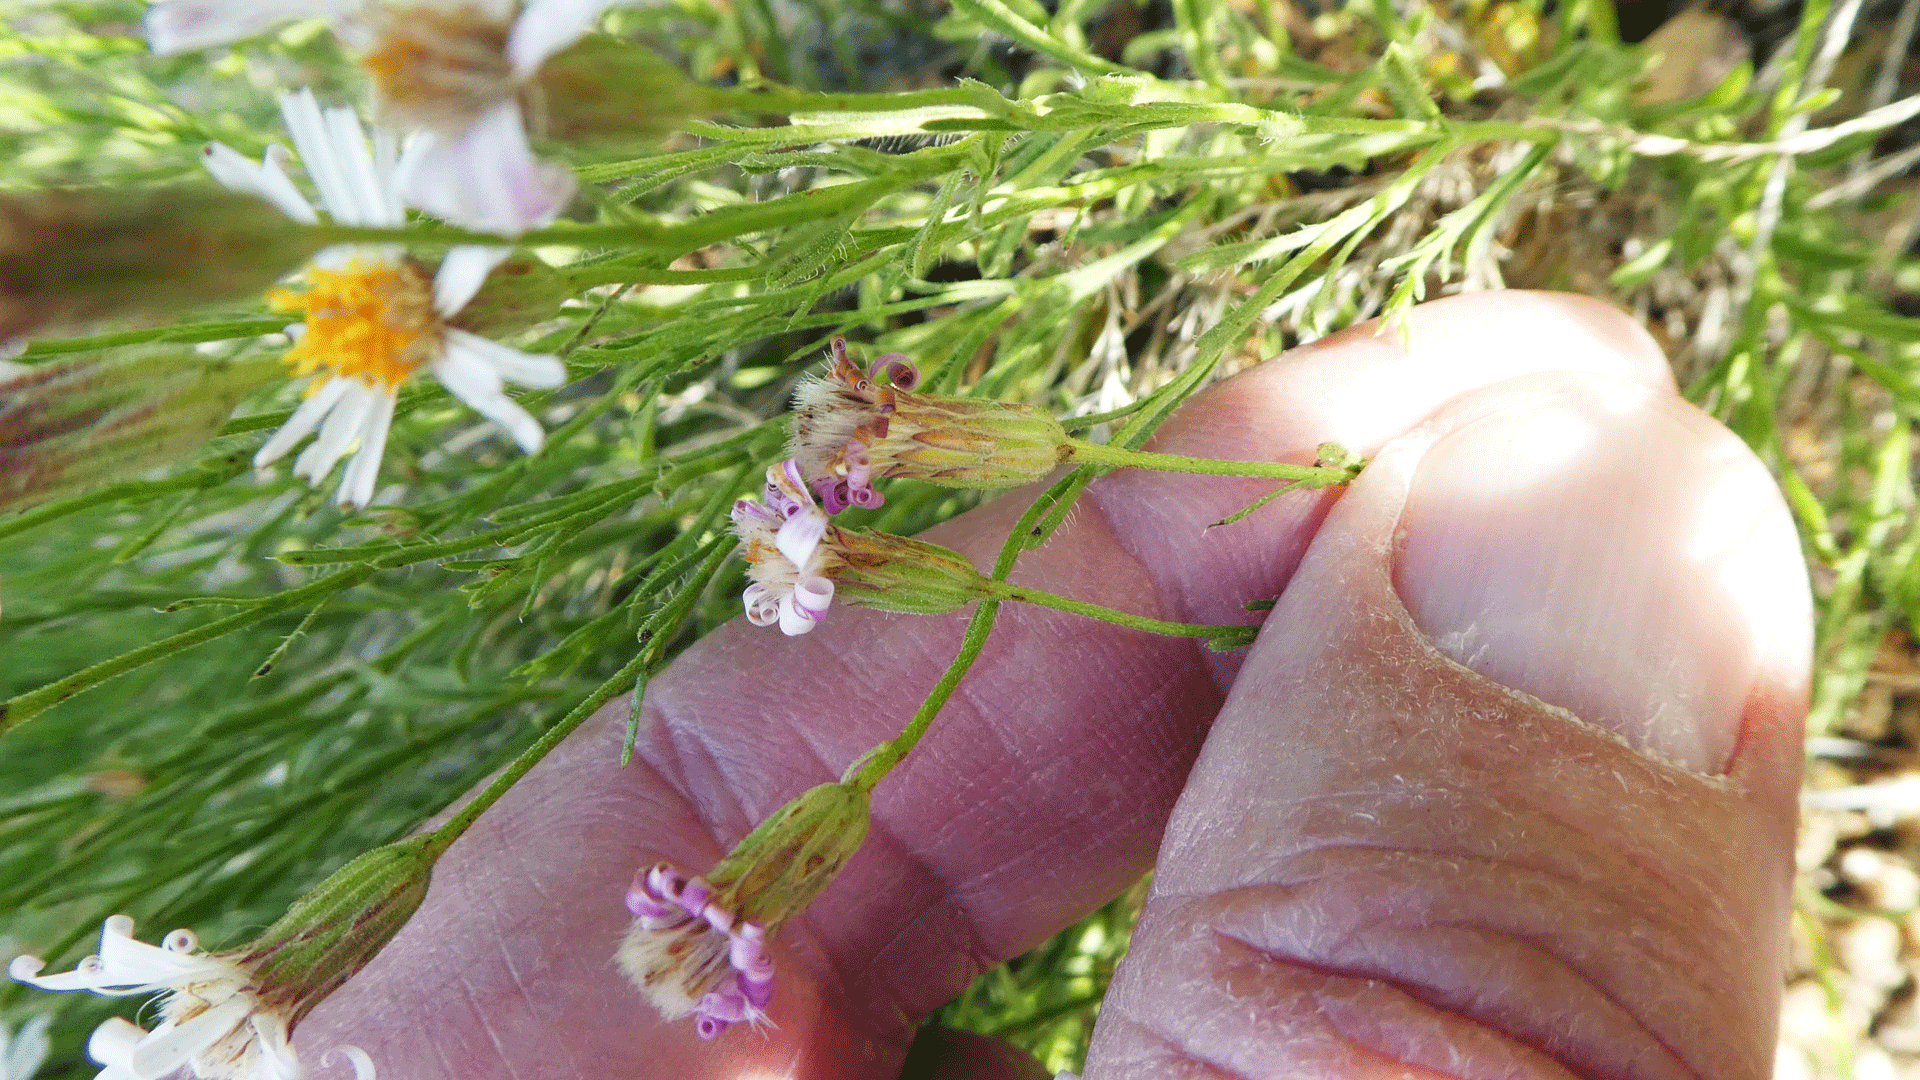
{"x": 1391, "y": 848}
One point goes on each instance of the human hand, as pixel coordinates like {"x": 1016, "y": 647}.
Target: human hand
{"x": 1384, "y": 863}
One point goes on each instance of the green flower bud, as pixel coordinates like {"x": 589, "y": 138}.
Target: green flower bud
{"x": 329, "y": 934}
{"x": 69, "y": 425}
{"x": 67, "y": 257}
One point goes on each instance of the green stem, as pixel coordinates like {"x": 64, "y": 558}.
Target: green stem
{"x": 1313, "y": 476}
{"x": 445, "y": 835}
{"x": 24, "y": 707}
{"x": 1000, "y": 590}
{"x": 656, "y": 634}
{"x": 870, "y": 770}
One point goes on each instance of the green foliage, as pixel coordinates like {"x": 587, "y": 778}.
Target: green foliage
{"x": 218, "y": 689}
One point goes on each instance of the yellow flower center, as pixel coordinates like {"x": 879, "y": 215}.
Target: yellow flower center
{"x": 373, "y": 321}
{"x": 438, "y": 69}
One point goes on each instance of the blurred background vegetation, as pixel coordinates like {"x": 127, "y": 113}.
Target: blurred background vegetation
{"x": 265, "y": 687}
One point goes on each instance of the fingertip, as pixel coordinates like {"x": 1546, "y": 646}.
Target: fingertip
{"x": 1608, "y": 548}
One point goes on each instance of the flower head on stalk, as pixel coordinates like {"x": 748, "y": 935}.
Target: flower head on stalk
{"x": 698, "y": 945}
{"x": 449, "y": 71}
{"x": 797, "y": 561}
{"x": 212, "y": 1016}
{"x": 851, "y": 427}
{"x": 231, "y": 1014}
{"x": 371, "y": 316}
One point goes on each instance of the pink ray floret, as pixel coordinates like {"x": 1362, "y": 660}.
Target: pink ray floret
{"x": 662, "y": 898}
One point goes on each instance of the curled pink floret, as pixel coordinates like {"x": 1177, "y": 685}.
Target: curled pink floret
{"x": 899, "y": 371}
{"x": 664, "y": 899}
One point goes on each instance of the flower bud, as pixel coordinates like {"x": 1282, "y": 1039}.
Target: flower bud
{"x": 605, "y": 92}
{"x": 69, "y": 425}
{"x": 781, "y": 866}
{"x": 329, "y": 934}
{"x": 850, "y": 428}
{"x": 899, "y": 573}
{"x": 67, "y": 257}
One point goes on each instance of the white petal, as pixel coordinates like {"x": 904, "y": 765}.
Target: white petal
{"x": 800, "y": 534}
{"x": 362, "y": 1064}
{"x": 343, "y": 424}
{"x": 386, "y": 164}
{"x": 27, "y": 969}
{"x": 112, "y": 1043}
{"x": 301, "y": 424}
{"x": 466, "y": 375}
{"x": 128, "y": 963}
{"x": 462, "y": 273}
{"x": 170, "y": 1046}
{"x": 477, "y": 384}
{"x": 538, "y": 370}
{"x": 278, "y": 189}
{"x": 793, "y": 621}
{"x": 812, "y": 596}
{"x": 356, "y": 487}
{"x": 548, "y": 26}
{"x": 180, "y": 25}
{"x": 314, "y": 142}
{"x": 237, "y": 172}
{"x": 374, "y": 203}
{"x": 276, "y": 1060}
{"x": 763, "y": 608}
{"x": 484, "y": 178}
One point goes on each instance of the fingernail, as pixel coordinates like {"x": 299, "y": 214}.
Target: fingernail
{"x": 1607, "y": 549}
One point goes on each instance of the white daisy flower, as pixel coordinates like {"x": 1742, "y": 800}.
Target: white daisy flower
{"x": 449, "y": 72}
{"x": 372, "y": 316}
{"x": 217, "y": 1018}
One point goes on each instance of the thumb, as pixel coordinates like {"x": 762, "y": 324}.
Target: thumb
{"x": 1507, "y": 786}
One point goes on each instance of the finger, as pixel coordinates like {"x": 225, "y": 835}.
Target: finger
{"x": 1507, "y": 786}
{"x": 1360, "y": 388}
{"x": 1040, "y": 792}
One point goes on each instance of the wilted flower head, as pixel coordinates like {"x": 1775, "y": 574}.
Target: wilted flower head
{"x": 372, "y": 316}
{"x": 784, "y": 557}
{"x": 699, "y": 945}
{"x": 851, "y": 427}
{"x": 797, "y": 559}
{"x": 690, "y": 954}
{"x": 231, "y": 1014}
{"x": 449, "y": 70}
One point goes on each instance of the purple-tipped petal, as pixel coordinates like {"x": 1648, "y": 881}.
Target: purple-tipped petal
{"x": 763, "y": 607}
{"x": 793, "y": 622}
{"x": 800, "y": 535}
{"x": 899, "y": 371}
{"x": 759, "y": 994}
{"x": 811, "y": 598}
{"x": 644, "y": 903}
{"x": 693, "y": 896}
{"x": 834, "y": 496}
{"x": 786, "y": 490}
{"x": 745, "y": 510}
{"x": 725, "y": 1004}
{"x": 867, "y": 498}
